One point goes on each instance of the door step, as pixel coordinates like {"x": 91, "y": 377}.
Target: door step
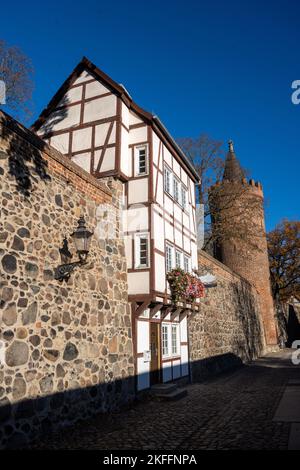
{"x": 168, "y": 392}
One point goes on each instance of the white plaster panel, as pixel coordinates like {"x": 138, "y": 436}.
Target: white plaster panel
{"x": 82, "y": 139}
{"x": 176, "y": 168}
{"x": 183, "y": 330}
{"x": 108, "y": 162}
{"x": 168, "y": 157}
{"x": 143, "y": 375}
{"x": 128, "y": 250}
{"x": 184, "y": 177}
{"x": 72, "y": 95}
{"x": 186, "y": 244}
{"x": 62, "y": 119}
{"x": 60, "y": 142}
{"x": 160, "y": 272}
{"x": 100, "y": 108}
{"x": 167, "y": 371}
{"x": 155, "y": 143}
{"x": 158, "y": 232}
{"x": 169, "y": 232}
{"x": 169, "y": 204}
{"x": 185, "y": 220}
{"x": 178, "y": 214}
{"x": 142, "y": 336}
{"x": 160, "y": 189}
{"x": 83, "y": 160}
{"x": 125, "y": 115}
{"x": 184, "y": 361}
{"x": 101, "y": 132}
{"x": 138, "y": 283}
{"x": 134, "y": 119}
{"x": 138, "y": 135}
{"x": 178, "y": 237}
{"x": 95, "y": 88}
{"x": 136, "y": 218}
{"x": 83, "y": 77}
{"x": 138, "y": 190}
{"x": 124, "y": 151}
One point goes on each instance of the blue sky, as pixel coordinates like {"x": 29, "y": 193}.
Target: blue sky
{"x": 219, "y": 67}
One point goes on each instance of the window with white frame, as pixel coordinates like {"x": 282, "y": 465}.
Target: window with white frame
{"x": 186, "y": 263}
{"x": 183, "y": 197}
{"x": 165, "y": 339}
{"x": 178, "y": 257}
{"x": 170, "y": 339}
{"x": 167, "y": 180}
{"x": 176, "y": 187}
{"x": 141, "y": 250}
{"x": 175, "y": 339}
{"x": 169, "y": 258}
{"x": 141, "y": 160}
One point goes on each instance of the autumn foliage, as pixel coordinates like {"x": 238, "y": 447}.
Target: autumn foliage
{"x": 284, "y": 258}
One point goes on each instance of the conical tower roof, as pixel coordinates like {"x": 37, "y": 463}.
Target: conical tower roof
{"x": 232, "y": 169}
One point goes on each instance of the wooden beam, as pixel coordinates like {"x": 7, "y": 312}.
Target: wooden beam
{"x": 175, "y": 312}
{"x": 184, "y": 314}
{"x": 165, "y": 312}
{"x": 155, "y": 309}
{"x": 141, "y": 308}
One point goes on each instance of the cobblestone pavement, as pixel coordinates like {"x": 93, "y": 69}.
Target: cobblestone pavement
{"x": 232, "y": 411}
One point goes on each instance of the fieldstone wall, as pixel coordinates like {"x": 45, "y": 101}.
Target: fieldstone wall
{"x": 228, "y": 329}
{"x": 66, "y": 348}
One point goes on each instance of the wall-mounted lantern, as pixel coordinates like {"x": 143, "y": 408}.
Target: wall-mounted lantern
{"x": 82, "y": 240}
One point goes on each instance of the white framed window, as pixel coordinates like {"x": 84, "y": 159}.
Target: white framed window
{"x": 175, "y": 339}
{"x": 170, "y": 339}
{"x": 186, "y": 263}
{"x": 169, "y": 258}
{"x": 176, "y": 187}
{"x": 142, "y": 250}
{"x": 183, "y": 197}
{"x": 167, "y": 180}
{"x": 178, "y": 259}
{"x": 141, "y": 160}
{"x": 165, "y": 339}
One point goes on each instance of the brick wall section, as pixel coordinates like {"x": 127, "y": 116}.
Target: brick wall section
{"x": 67, "y": 346}
{"x": 228, "y": 330}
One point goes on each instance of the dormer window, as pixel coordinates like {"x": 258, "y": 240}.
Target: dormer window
{"x": 141, "y": 160}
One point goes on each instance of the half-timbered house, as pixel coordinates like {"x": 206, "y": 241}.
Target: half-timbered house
{"x": 94, "y": 121}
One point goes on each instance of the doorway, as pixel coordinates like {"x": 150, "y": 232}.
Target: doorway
{"x": 155, "y": 353}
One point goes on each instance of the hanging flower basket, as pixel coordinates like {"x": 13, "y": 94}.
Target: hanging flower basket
{"x": 184, "y": 286}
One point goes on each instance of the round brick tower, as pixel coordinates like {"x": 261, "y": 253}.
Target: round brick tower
{"x": 248, "y": 258}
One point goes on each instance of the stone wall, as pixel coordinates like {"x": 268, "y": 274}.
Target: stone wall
{"x": 66, "y": 347}
{"x": 228, "y": 330}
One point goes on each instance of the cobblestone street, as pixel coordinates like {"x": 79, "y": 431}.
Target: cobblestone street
{"x": 233, "y": 411}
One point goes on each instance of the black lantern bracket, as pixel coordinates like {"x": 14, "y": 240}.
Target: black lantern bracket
{"x": 82, "y": 239}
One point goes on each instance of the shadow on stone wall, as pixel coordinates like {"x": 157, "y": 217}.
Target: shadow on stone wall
{"x": 214, "y": 365}
{"x": 250, "y": 322}
{"x": 25, "y": 159}
{"x": 28, "y": 420}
